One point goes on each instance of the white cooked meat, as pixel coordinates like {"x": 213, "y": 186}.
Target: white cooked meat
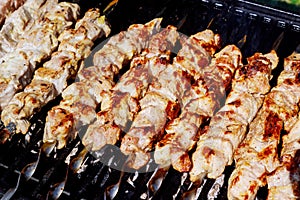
{"x": 35, "y": 46}
{"x": 257, "y": 155}
{"x": 50, "y": 80}
{"x": 110, "y": 59}
{"x": 63, "y": 120}
{"x": 21, "y": 21}
{"x": 284, "y": 182}
{"x": 131, "y": 87}
{"x": 161, "y": 102}
{"x": 135, "y": 82}
{"x": 199, "y": 103}
{"x": 228, "y": 126}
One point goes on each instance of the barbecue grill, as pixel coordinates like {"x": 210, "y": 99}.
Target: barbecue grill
{"x": 254, "y": 26}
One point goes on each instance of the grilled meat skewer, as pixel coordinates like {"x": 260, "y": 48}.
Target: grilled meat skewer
{"x": 80, "y": 99}
{"x": 22, "y": 21}
{"x": 229, "y": 125}
{"x": 161, "y": 102}
{"x": 123, "y": 102}
{"x": 50, "y": 80}
{"x": 284, "y": 182}
{"x": 199, "y": 103}
{"x": 257, "y": 155}
{"x": 112, "y": 57}
{"x": 17, "y": 69}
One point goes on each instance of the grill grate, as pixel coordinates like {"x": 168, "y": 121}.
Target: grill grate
{"x": 238, "y": 22}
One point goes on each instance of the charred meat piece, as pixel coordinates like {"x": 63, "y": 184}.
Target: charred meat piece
{"x": 257, "y": 155}
{"x": 132, "y": 86}
{"x": 284, "y": 182}
{"x": 199, "y": 103}
{"x": 161, "y": 102}
{"x": 122, "y": 47}
{"x": 80, "y": 99}
{"x": 50, "y": 80}
{"x": 228, "y": 126}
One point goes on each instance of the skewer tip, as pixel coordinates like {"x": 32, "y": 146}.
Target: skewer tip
{"x": 48, "y": 147}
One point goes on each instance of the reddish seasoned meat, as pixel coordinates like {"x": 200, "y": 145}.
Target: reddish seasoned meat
{"x": 123, "y": 106}
{"x": 80, "y": 99}
{"x": 284, "y": 182}
{"x": 257, "y": 155}
{"x": 228, "y": 126}
{"x": 199, "y": 103}
{"x": 161, "y": 102}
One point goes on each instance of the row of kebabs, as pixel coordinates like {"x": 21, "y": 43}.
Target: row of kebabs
{"x": 159, "y": 103}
